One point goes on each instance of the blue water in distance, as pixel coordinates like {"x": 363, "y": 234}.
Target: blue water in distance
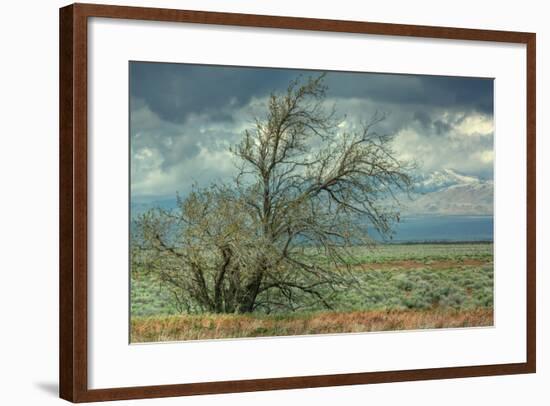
{"x": 442, "y": 229}
{"x": 435, "y": 228}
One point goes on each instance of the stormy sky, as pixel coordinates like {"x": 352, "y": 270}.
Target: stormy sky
{"x": 183, "y": 118}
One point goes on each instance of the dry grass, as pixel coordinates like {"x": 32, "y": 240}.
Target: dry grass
{"x": 200, "y": 327}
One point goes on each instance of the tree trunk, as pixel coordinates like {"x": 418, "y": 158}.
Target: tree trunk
{"x": 248, "y": 298}
{"x": 219, "y": 306}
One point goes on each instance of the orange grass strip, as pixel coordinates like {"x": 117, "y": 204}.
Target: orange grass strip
{"x": 213, "y": 326}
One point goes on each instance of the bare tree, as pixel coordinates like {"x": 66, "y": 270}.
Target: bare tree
{"x": 281, "y": 237}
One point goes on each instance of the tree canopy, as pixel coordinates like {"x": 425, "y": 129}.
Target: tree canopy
{"x": 280, "y": 236}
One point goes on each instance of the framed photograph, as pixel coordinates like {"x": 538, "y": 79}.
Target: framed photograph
{"x": 255, "y": 202}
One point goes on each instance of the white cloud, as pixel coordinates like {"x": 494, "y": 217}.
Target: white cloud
{"x": 475, "y": 124}
{"x": 169, "y": 157}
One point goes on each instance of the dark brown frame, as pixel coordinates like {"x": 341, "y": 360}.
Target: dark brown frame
{"x": 73, "y": 361}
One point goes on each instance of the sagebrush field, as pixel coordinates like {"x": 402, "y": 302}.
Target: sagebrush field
{"x": 400, "y": 287}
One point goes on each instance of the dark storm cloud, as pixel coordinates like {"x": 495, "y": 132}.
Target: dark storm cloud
{"x": 430, "y": 125}
{"x": 174, "y": 91}
{"x": 442, "y": 91}
{"x": 423, "y": 118}
{"x": 441, "y": 127}
{"x": 448, "y": 91}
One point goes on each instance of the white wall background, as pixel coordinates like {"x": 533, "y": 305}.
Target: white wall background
{"x": 29, "y": 193}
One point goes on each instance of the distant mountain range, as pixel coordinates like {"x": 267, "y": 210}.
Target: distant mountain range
{"x": 448, "y": 192}
{"x": 439, "y": 193}
{"x": 438, "y": 180}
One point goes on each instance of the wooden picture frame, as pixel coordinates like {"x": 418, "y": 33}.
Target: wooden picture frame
{"x": 73, "y": 197}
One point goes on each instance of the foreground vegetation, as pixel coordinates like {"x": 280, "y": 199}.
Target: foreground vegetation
{"x": 399, "y": 287}
{"x": 210, "y": 326}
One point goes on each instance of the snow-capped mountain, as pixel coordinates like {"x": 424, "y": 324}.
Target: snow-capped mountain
{"x": 444, "y": 192}
{"x": 448, "y": 192}
{"x": 440, "y": 179}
